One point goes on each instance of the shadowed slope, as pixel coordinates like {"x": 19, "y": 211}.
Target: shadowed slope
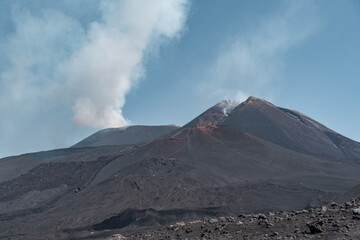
{"x": 291, "y": 129}
{"x": 265, "y": 120}
{"x": 349, "y": 195}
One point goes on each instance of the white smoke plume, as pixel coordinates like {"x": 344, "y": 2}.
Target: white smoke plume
{"x": 111, "y": 61}
{"x": 54, "y": 58}
{"x": 227, "y": 106}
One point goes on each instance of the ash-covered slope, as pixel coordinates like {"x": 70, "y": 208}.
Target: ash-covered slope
{"x": 291, "y": 129}
{"x": 126, "y": 135}
{"x": 106, "y": 142}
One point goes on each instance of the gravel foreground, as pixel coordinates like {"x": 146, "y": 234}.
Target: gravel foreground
{"x": 333, "y": 221}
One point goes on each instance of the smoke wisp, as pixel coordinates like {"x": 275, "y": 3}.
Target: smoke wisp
{"x": 252, "y": 62}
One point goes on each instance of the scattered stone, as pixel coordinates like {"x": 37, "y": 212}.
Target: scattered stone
{"x": 213, "y": 220}
{"x": 176, "y": 226}
{"x": 247, "y": 237}
{"x": 195, "y": 222}
{"x": 118, "y": 237}
{"x": 316, "y": 227}
{"x": 356, "y": 211}
{"x": 336, "y": 225}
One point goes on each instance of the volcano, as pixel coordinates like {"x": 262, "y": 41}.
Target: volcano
{"x": 233, "y": 158}
{"x": 288, "y": 128}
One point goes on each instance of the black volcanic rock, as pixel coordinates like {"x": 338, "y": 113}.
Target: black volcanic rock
{"x": 126, "y": 135}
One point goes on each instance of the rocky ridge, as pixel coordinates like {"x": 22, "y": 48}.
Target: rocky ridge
{"x": 332, "y": 221}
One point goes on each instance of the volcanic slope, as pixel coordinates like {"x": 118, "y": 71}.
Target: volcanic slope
{"x": 287, "y": 128}
{"x": 13, "y": 167}
{"x": 106, "y": 142}
{"x": 199, "y": 171}
{"x": 126, "y": 135}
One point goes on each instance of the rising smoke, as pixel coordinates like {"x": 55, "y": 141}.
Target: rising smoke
{"x": 57, "y": 56}
{"x": 110, "y": 63}
{"x": 227, "y": 106}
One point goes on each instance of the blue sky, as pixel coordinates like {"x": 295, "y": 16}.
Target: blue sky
{"x": 70, "y": 68}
